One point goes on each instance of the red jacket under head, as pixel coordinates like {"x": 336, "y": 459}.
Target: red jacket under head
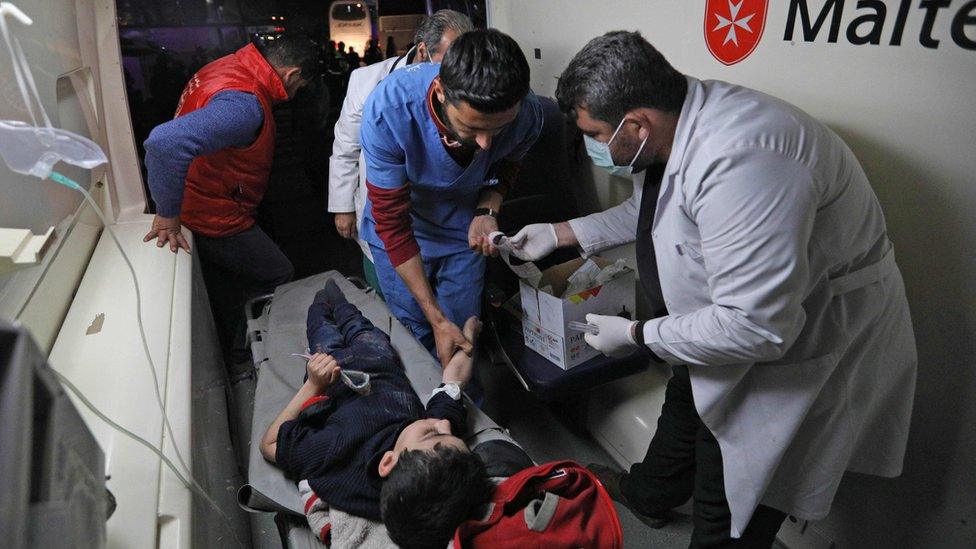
{"x": 557, "y": 505}
{"x": 223, "y": 189}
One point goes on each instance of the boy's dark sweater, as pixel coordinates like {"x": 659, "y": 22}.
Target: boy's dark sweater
{"x": 336, "y": 443}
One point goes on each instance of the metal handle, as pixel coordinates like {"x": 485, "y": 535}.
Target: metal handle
{"x": 360, "y": 283}
{"x": 249, "y": 307}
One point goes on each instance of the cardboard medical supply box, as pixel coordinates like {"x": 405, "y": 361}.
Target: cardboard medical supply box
{"x": 545, "y": 316}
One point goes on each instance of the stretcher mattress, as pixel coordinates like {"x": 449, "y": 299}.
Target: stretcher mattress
{"x": 279, "y": 332}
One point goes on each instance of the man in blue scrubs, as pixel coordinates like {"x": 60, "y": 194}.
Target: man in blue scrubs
{"x": 442, "y": 144}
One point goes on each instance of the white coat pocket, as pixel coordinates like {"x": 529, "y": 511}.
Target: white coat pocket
{"x": 691, "y": 251}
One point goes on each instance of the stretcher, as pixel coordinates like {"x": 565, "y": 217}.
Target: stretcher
{"x": 276, "y": 330}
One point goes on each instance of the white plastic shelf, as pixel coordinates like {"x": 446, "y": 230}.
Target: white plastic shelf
{"x": 108, "y": 365}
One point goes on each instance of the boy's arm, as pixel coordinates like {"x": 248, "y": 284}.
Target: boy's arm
{"x": 323, "y": 370}
{"x": 458, "y": 371}
{"x": 269, "y": 443}
{"x": 461, "y": 365}
{"x": 443, "y": 406}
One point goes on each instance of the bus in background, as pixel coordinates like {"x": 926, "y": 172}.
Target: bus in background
{"x": 351, "y": 22}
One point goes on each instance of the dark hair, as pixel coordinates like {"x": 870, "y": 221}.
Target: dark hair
{"x": 618, "y": 72}
{"x": 292, "y": 50}
{"x": 431, "y": 30}
{"x": 430, "y": 493}
{"x": 487, "y": 69}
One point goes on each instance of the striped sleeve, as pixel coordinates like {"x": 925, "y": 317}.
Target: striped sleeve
{"x": 391, "y": 212}
{"x": 386, "y": 183}
{"x": 316, "y": 512}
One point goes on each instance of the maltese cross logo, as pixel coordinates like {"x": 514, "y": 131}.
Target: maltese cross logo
{"x": 733, "y": 28}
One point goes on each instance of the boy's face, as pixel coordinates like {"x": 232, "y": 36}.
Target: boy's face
{"x": 423, "y": 434}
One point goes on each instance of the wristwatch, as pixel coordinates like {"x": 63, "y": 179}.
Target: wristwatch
{"x": 638, "y": 333}
{"x": 451, "y": 389}
{"x": 485, "y": 211}
{"x": 638, "y": 330}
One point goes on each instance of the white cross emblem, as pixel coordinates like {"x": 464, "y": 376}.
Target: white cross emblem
{"x": 732, "y": 22}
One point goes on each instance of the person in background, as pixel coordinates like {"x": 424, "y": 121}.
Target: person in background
{"x": 347, "y": 192}
{"x": 342, "y": 59}
{"x": 373, "y": 54}
{"x": 774, "y": 294}
{"x": 208, "y": 169}
{"x": 166, "y": 82}
{"x": 340, "y": 55}
{"x": 442, "y": 145}
{"x": 391, "y": 50}
{"x": 200, "y": 58}
{"x": 330, "y": 60}
{"x": 353, "y": 59}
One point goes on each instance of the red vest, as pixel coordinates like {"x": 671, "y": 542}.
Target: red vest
{"x": 223, "y": 189}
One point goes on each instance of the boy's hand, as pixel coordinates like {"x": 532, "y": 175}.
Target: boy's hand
{"x": 323, "y": 370}
{"x": 459, "y": 369}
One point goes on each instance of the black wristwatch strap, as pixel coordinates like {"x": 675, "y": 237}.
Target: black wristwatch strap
{"x": 639, "y": 332}
{"x": 639, "y": 339}
{"x": 485, "y": 211}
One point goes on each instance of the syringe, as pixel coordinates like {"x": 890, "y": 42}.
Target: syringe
{"x": 583, "y": 327}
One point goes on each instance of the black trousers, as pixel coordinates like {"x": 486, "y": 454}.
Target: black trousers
{"x": 684, "y": 460}
{"x": 235, "y": 269}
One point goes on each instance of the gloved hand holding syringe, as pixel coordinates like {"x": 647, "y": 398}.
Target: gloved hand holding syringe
{"x": 529, "y": 271}
{"x": 583, "y": 327}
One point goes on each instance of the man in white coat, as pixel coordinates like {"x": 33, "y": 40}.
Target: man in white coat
{"x": 346, "y": 171}
{"x": 775, "y": 295}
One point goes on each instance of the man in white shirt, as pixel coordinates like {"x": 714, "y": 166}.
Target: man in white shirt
{"x": 346, "y": 171}
{"x": 774, "y": 290}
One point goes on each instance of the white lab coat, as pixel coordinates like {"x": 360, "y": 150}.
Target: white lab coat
{"x": 347, "y": 170}
{"x": 784, "y": 299}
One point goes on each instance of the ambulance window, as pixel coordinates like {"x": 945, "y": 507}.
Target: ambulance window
{"x": 349, "y": 12}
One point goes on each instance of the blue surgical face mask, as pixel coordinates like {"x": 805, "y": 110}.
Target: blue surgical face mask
{"x": 600, "y": 153}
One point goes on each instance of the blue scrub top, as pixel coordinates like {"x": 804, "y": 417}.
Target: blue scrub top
{"x": 401, "y": 144}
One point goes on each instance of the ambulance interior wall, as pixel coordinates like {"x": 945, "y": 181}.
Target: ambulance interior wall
{"x": 907, "y": 111}
{"x": 58, "y": 47}
{"x": 52, "y": 48}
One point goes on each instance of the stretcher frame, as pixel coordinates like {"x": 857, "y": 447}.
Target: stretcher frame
{"x": 272, "y": 334}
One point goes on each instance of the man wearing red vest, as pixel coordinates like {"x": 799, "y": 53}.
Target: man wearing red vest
{"x": 208, "y": 169}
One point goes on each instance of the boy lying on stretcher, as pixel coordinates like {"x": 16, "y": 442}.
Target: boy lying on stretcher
{"x": 377, "y": 452}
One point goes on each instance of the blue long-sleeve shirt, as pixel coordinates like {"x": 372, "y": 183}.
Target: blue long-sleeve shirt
{"x": 230, "y": 119}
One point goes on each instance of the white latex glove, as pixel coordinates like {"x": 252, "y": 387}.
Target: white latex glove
{"x": 534, "y": 241}
{"x": 615, "y": 338}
